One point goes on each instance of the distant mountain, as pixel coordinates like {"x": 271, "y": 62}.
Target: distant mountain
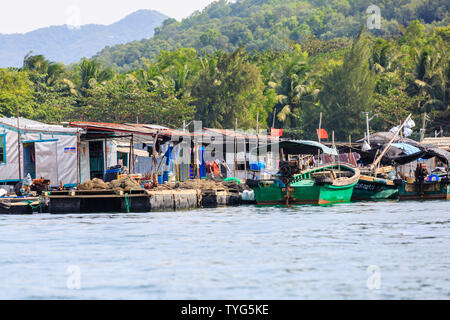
{"x": 63, "y": 44}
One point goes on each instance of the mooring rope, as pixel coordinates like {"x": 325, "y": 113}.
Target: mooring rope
{"x": 29, "y": 202}
{"x": 127, "y": 203}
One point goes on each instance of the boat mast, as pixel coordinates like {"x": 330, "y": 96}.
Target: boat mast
{"x": 318, "y": 134}
{"x": 375, "y": 163}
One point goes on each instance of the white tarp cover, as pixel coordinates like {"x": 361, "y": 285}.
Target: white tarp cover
{"x": 55, "y": 151}
{"x": 85, "y": 169}
{"x": 10, "y": 169}
{"x": 46, "y": 156}
{"x": 67, "y": 159}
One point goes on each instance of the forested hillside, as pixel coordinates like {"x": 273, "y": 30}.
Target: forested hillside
{"x": 343, "y": 77}
{"x": 63, "y": 44}
{"x": 272, "y": 24}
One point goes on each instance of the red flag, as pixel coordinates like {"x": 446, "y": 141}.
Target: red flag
{"x": 322, "y": 134}
{"x": 276, "y": 132}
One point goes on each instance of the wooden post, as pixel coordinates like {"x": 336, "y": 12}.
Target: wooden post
{"x": 154, "y": 169}
{"x": 350, "y": 144}
{"x": 320, "y": 126}
{"x": 132, "y": 153}
{"x": 367, "y": 127}
{"x": 235, "y": 150}
{"x": 332, "y": 139}
{"x": 273, "y": 119}
{"x": 375, "y": 163}
{"x": 424, "y": 121}
{"x": 197, "y": 161}
{"x": 257, "y": 138}
{"x": 318, "y": 135}
{"x": 78, "y": 157}
{"x": 18, "y": 145}
{"x": 106, "y": 156}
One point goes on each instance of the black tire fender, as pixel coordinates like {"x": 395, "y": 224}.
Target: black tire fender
{"x": 322, "y": 180}
{"x": 17, "y": 188}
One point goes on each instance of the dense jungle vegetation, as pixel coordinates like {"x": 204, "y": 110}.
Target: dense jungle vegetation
{"x": 286, "y": 61}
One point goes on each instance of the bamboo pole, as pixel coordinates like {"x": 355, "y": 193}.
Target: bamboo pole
{"x": 350, "y": 144}
{"x": 235, "y": 150}
{"x": 197, "y": 149}
{"x": 132, "y": 152}
{"x": 318, "y": 134}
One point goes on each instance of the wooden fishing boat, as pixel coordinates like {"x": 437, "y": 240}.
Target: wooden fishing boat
{"x": 375, "y": 185}
{"x": 18, "y": 205}
{"x": 373, "y": 188}
{"x": 327, "y": 184}
{"x": 425, "y": 190}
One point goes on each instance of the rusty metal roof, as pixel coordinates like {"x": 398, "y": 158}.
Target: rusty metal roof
{"x": 130, "y": 128}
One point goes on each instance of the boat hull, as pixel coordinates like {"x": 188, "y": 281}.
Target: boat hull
{"x": 276, "y": 193}
{"x": 309, "y": 187}
{"x": 371, "y": 188}
{"x": 431, "y": 190}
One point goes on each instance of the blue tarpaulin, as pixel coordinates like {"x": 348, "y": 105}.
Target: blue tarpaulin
{"x": 407, "y": 148}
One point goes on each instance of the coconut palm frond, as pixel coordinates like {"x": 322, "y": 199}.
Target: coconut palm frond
{"x": 282, "y": 115}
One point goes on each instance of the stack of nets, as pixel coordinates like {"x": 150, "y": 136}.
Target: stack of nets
{"x": 125, "y": 183}
{"x": 203, "y": 184}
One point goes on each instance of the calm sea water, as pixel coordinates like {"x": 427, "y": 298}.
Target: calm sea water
{"x": 385, "y": 250}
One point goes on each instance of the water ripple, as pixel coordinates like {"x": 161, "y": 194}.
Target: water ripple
{"x": 247, "y": 252}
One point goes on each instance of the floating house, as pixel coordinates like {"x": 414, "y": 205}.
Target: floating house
{"x": 104, "y": 145}
{"x": 38, "y": 149}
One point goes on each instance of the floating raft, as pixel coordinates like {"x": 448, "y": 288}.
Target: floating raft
{"x": 95, "y": 201}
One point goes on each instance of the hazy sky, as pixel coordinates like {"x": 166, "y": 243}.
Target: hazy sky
{"x": 19, "y": 16}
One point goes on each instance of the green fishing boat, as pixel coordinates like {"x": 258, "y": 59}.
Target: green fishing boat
{"x": 295, "y": 184}
{"x": 374, "y": 188}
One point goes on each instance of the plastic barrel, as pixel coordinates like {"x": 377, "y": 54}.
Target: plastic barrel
{"x": 165, "y": 176}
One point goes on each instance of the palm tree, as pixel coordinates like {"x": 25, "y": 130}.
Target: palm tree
{"x": 431, "y": 78}
{"x": 36, "y": 63}
{"x": 50, "y": 71}
{"x": 293, "y": 84}
{"x": 92, "y": 70}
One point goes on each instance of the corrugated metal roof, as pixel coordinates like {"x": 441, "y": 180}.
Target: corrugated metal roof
{"x": 441, "y": 142}
{"x": 142, "y": 129}
{"x": 31, "y": 125}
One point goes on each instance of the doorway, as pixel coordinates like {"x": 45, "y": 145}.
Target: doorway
{"x": 96, "y": 159}
{"x": 29, "y": 160}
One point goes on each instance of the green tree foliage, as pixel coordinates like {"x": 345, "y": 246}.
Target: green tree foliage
{"x": 340, "y": 77}
{"x": 15, "y": 93}
{"x": 124, "y": 99}
{"x": 348, "y": 91}
{"x": 228, "y": 87}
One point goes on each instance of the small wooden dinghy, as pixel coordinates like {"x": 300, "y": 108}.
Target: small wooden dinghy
{"x": 18, "y": 205}
{"x": 425, "y": 190}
